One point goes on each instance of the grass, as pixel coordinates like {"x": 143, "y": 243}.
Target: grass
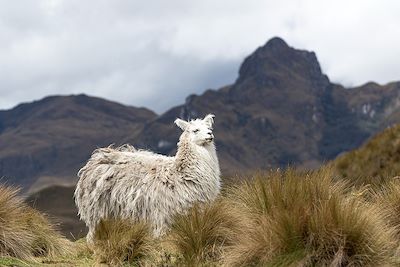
{"x": 24, "y": 232}
{"x": 278, "y": 218}
{"x": 13, "y": 262}
{"x": 201, "y": 234}
{"x": 297, "y": 218}
{"x": 388, "y": 198}
{"x": 373, "y": 163}
{"x": 118, "y": 242}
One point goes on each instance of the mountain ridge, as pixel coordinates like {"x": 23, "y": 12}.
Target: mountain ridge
{"x": 53, "y": 136}
{"x": 281, "y": 110}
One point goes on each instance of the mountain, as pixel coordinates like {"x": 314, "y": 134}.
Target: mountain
{"x": 46, "y": 142}
{"x": 281, "y": 110}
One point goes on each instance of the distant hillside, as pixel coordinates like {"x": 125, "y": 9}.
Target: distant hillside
{"x": 281, "y": 110}
{"x": 58, "y": 203}
{"x": 47, "y": 141}
{"x": 377, "y": 160}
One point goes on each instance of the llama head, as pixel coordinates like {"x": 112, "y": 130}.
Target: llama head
{"x": 199, "y": 131}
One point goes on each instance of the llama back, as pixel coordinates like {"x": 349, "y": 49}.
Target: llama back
{"x": 96, "y": 182}
{"x": 118, "y": 183}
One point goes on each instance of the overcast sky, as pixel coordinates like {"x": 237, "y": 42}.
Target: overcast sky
{"x": 155, "y": 53}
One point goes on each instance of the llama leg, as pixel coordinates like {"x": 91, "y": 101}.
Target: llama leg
{"x": 158, "y": 228}
{"x": 90, "y": 236}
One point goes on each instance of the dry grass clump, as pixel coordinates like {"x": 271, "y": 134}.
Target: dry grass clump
{"x": 388, "y": 198}
{"x": 47, "y": 241}
{"x": 24, "y": 232}
{"x": 121, "y": 241}
{"x": 201, "y": 234}
{"x": 292, "y": 218}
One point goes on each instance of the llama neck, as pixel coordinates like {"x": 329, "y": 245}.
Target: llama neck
{"x": 198, "y": 169}
{"x": 193, "y": 158}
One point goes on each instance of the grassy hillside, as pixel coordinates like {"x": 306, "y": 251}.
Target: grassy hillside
{"x": 279, "y": 218}
{"x": 376, "y": 160}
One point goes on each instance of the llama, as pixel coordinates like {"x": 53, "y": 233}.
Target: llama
{"x": 135, "y": 184}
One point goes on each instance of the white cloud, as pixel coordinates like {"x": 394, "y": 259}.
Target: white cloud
{"x": 155, "y": 53}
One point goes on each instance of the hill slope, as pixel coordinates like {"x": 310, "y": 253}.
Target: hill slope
{"x": 58, "y": 202}
{"x": 48, "y": 140}
{"x": 377, "y": 160}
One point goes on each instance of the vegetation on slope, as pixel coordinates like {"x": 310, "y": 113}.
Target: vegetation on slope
{"x": 374, "y": 162}
{"x": 388, "y": 198}
{"x": 121, "y": 241}
{"x": 279, "y": 218}
{"x": 292, "y": 218}
{"x": 201, "y": 234}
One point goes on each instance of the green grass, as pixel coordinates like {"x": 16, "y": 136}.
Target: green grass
{"x": 13, "y": 262}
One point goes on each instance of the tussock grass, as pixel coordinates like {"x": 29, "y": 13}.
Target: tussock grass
{"x": 279, "y": 218}
{"x": 293, "y": 218}
{"x": 119, "y": 242}
{"x": 201, "y": 234}
{"x": 388, "y": 198}
{"x": 24, "y": 232}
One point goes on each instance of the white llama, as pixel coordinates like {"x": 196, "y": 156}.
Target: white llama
{"x": 141, "y": 185}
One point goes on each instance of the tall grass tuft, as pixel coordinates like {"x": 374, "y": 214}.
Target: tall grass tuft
{"x": 24, "y": 232}
{"x": 304, "y": 218}
{"x": 388, "y": 198}
{"x": 201, "y": 234}
{"x": 118, "y": 242}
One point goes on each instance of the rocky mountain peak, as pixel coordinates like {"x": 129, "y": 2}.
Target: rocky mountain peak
{"x": 276, "y": 66}
{"x": 276, "y": 61}
{"x": 275, "y": 43}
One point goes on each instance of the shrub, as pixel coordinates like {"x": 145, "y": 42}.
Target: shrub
{"x": 24, "y": 232}
{"x": 201, "y": 234}
{"x": 388, "y": 198}
{"x": 121, "y": 241}
{"x": 304, "y": 218}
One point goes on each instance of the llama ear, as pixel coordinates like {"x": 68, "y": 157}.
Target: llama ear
{"x": 209, "y": 119}
{"x": 181, "y": 124}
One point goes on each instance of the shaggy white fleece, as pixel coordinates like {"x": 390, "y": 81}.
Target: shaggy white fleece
{"x": 127, "y": 183}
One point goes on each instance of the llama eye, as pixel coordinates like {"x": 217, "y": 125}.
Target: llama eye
{"x": 195, "y": 131}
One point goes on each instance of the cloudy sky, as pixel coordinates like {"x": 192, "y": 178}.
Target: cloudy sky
{"x": 154, "y": 53}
